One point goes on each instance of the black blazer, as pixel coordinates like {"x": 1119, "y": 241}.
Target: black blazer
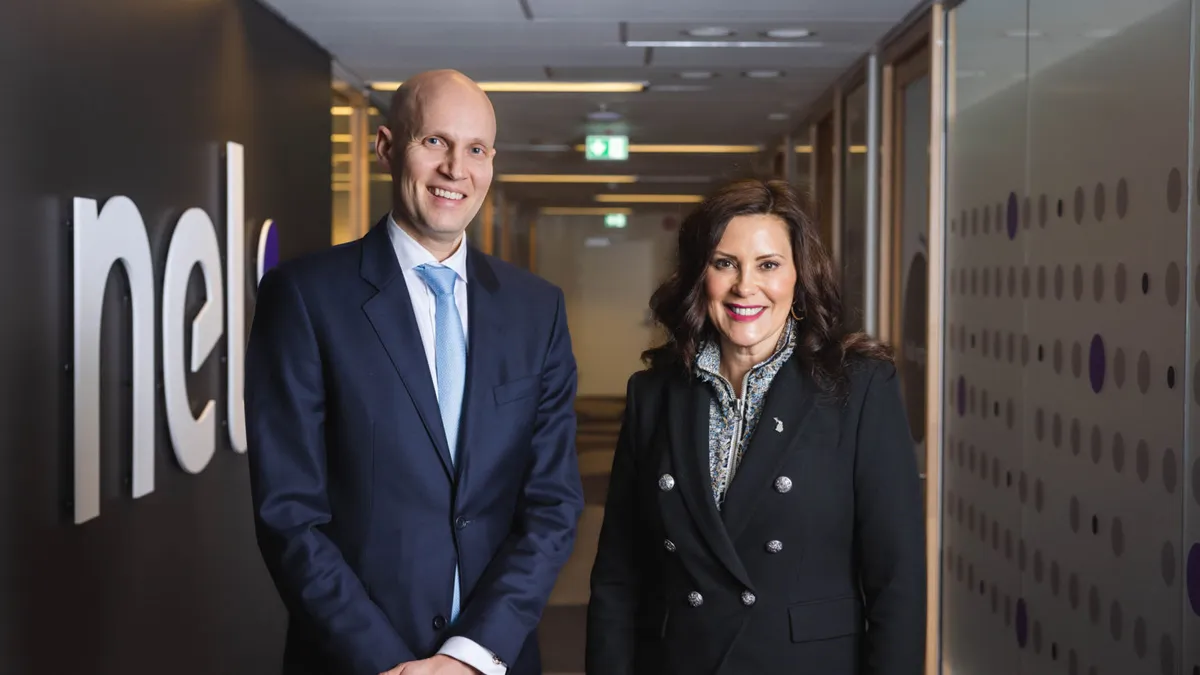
{"x": 815, "y": 563}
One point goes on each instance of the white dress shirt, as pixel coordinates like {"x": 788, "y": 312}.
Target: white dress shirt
{"x": 411, "y": 255}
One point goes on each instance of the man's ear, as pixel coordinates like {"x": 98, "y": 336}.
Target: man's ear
{"x": 383, "y": 147}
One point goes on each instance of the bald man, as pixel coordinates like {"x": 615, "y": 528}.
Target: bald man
{"x": 410, "y": 411}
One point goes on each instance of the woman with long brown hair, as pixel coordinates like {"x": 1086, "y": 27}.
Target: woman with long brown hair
{"x": 764, "y": 512}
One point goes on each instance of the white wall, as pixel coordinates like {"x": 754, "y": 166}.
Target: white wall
{"x": 607, "y": 289}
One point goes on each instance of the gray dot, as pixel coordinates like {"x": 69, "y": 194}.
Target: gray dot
{"x": 1054, "y": 577}
{"x": 1119, "y": 283}
{"x": 1075, "y": 514}
{"x": 1119, "y": 367}
{"x": 987, "y": 220}
{"x": 1174, "y": 190}
{"x": 1116, "y": 621}
{"x": 1008, "y": 545}
{"x": 1170, "y": 472}
{"x": 1041, "y": 283}
{"x": 1042, "y": 211}
{"x": 987, "y": 282}
{"x": 983, "y": 464}
{"x": 1172, "y": 284}
{"x": 1122, "y": 198}
{"x": 1118, "y": 453}
{"x": 1143, "y": 461}
{"x": 974, "y": 282}
{"x": 1168, "y": 564}
{"x": 1098, "y": 283}
{"x": 1077, "y": 282}
{"x": 1023, "y": 487}
{"x": 1058, "y": 282}
{"x": 1039, "y": 424}
{"x": 1079, "y": 205}
{"x": 1094, "y": 605}
{"x": 1025, "y": 282}
{"x": 995, "y": 600}
{"x": 995, "y": 473}
{"x": 1166, "y": 656}
{"x": 1196, "y": 481}
{"x": 1097, "y": 445}
{"x": 1099, "y": 202}
{"x": 1073, "y": 590}
{"x": 1026, "y": 213}
{"x": 1139, "y": 637}
{"x": 986, "y": 340}
{"x": 1012, "y": 338}
{"x": 1075, "y": 437}
{"x": 1056, "y": 430}
{"x": 1024, "y": 350}
{"x": 971, "y": 399}
{"x": 1021, "y": 555}
{"x": 997, "y": 342}
{"x": 1039, "y": 495}
{"x": 1012, "y": 282}
{"x": 1077, "y": 360}
{"x": 1118, "y": 537}
{"x": 1010, "y": 414}
{"x": 1143, "y": 373}
{"x": 1058, "y": 356}
{"x": 975, "y": 221}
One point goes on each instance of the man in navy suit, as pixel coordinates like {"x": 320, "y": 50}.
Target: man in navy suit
{"x": 410, "y": 410}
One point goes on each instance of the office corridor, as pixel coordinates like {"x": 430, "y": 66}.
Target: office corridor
{"x": 563, "y": 624}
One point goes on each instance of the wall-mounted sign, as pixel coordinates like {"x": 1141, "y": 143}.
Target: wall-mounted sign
{"x": 116, "y": 234}
{"x": 607, "y": 147}
{"x": 614, "y": 220}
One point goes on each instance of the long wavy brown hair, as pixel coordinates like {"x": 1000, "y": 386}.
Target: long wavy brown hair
{"x": 679, "y": 305}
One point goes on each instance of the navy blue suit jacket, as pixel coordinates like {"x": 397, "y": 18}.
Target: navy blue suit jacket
{"x": 361, "y": 515}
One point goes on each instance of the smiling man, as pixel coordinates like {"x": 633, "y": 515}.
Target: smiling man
{"x": 410, "y": 410}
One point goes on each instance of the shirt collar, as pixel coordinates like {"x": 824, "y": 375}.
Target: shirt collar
{"x": 708, "y": 356}
{"x": 412, "y": 254}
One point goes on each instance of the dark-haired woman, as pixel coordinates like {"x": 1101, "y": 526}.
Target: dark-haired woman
{"x": 764, "y": 513}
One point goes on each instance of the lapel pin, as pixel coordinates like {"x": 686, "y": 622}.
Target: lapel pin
{"x": 778, "y": 425}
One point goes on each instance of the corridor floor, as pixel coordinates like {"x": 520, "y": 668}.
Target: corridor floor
{"x": 561, "y": 632}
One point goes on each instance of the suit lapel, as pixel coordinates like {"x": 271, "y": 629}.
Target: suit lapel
{"x": 687, "y": 420}
{"x": 786, "y": 420}
{"x": 485, "y": 330}
{"x": 390, "y": 312}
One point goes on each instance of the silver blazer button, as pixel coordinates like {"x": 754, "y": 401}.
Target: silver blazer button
{"x": 783, "y": 484}
{"x": 695, "y": 599}
{"x": 666, "y": 482}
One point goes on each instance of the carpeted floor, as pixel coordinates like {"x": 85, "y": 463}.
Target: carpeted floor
{"x": 562, "y": 630}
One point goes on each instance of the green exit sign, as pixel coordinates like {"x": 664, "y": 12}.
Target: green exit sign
{"x": 615, "y": 220}
{"x": 607, "y": 147}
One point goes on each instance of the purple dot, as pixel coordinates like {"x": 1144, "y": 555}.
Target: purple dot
{"x": 1193, "y": 578}
{"x": 1012, "y": 215}
{"x": 962, "y": 396}
{"x": 1096, "y": 363}
{"x": 1022, "y": 623}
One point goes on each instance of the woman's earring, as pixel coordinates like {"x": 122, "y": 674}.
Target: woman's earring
{"x": 797, "y": 318}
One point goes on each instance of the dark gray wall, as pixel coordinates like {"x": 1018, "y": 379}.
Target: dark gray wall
{"x": 135, "y": 98}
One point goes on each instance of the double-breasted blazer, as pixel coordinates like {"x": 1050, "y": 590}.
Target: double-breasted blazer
{"x": 815, "y": 562}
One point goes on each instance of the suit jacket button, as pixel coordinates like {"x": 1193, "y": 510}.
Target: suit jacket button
{"x": 460, "y": 522}
{"x": 670, "y": 545}
{"x": 783, "y": 484}
{"x": 695, "y": 599}
{"x": 774, "y": 546}
{"x": 439, "y": 622}
{"x": 748, "y": 598}
{"x": 666, "y": 482}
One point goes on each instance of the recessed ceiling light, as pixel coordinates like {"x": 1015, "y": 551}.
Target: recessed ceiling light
{"x": 777, "y": 117}
{"x": 788, "y": 33}
{"x": 709, "y": 31}
{"x": 696, "y": 74}
{"x": 761, "y": 74}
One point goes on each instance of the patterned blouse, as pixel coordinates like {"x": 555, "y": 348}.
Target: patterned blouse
{"x": 731, "y": 420}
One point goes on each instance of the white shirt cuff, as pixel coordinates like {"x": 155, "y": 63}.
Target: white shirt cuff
{"x": 471, "y": 653}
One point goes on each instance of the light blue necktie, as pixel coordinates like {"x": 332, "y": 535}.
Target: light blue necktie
{"x": 450, "y": 358}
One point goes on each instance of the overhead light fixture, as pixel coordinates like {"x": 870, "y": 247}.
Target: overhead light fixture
{"x": 788, "y": 33}
{"x": 542, "y": 87}
{"x": 685, "y": 149}
{"x": 858, "y": 149}
{"x": 718, "y": 43}
{"x": 583, "y": 210}
{"x": 762, "y": 74}
{"x": 696, "y": 74}
{"x": 709, "y": 32}
{"x": 649, "y": 199}
{"x": 345, "y": 110}
{"x": 604, "y": 115}
{"x": 803, "y": 149}
{"x": 563, "y": 178}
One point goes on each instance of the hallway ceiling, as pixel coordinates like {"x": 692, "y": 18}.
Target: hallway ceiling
{"x": 601, "y": 40}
